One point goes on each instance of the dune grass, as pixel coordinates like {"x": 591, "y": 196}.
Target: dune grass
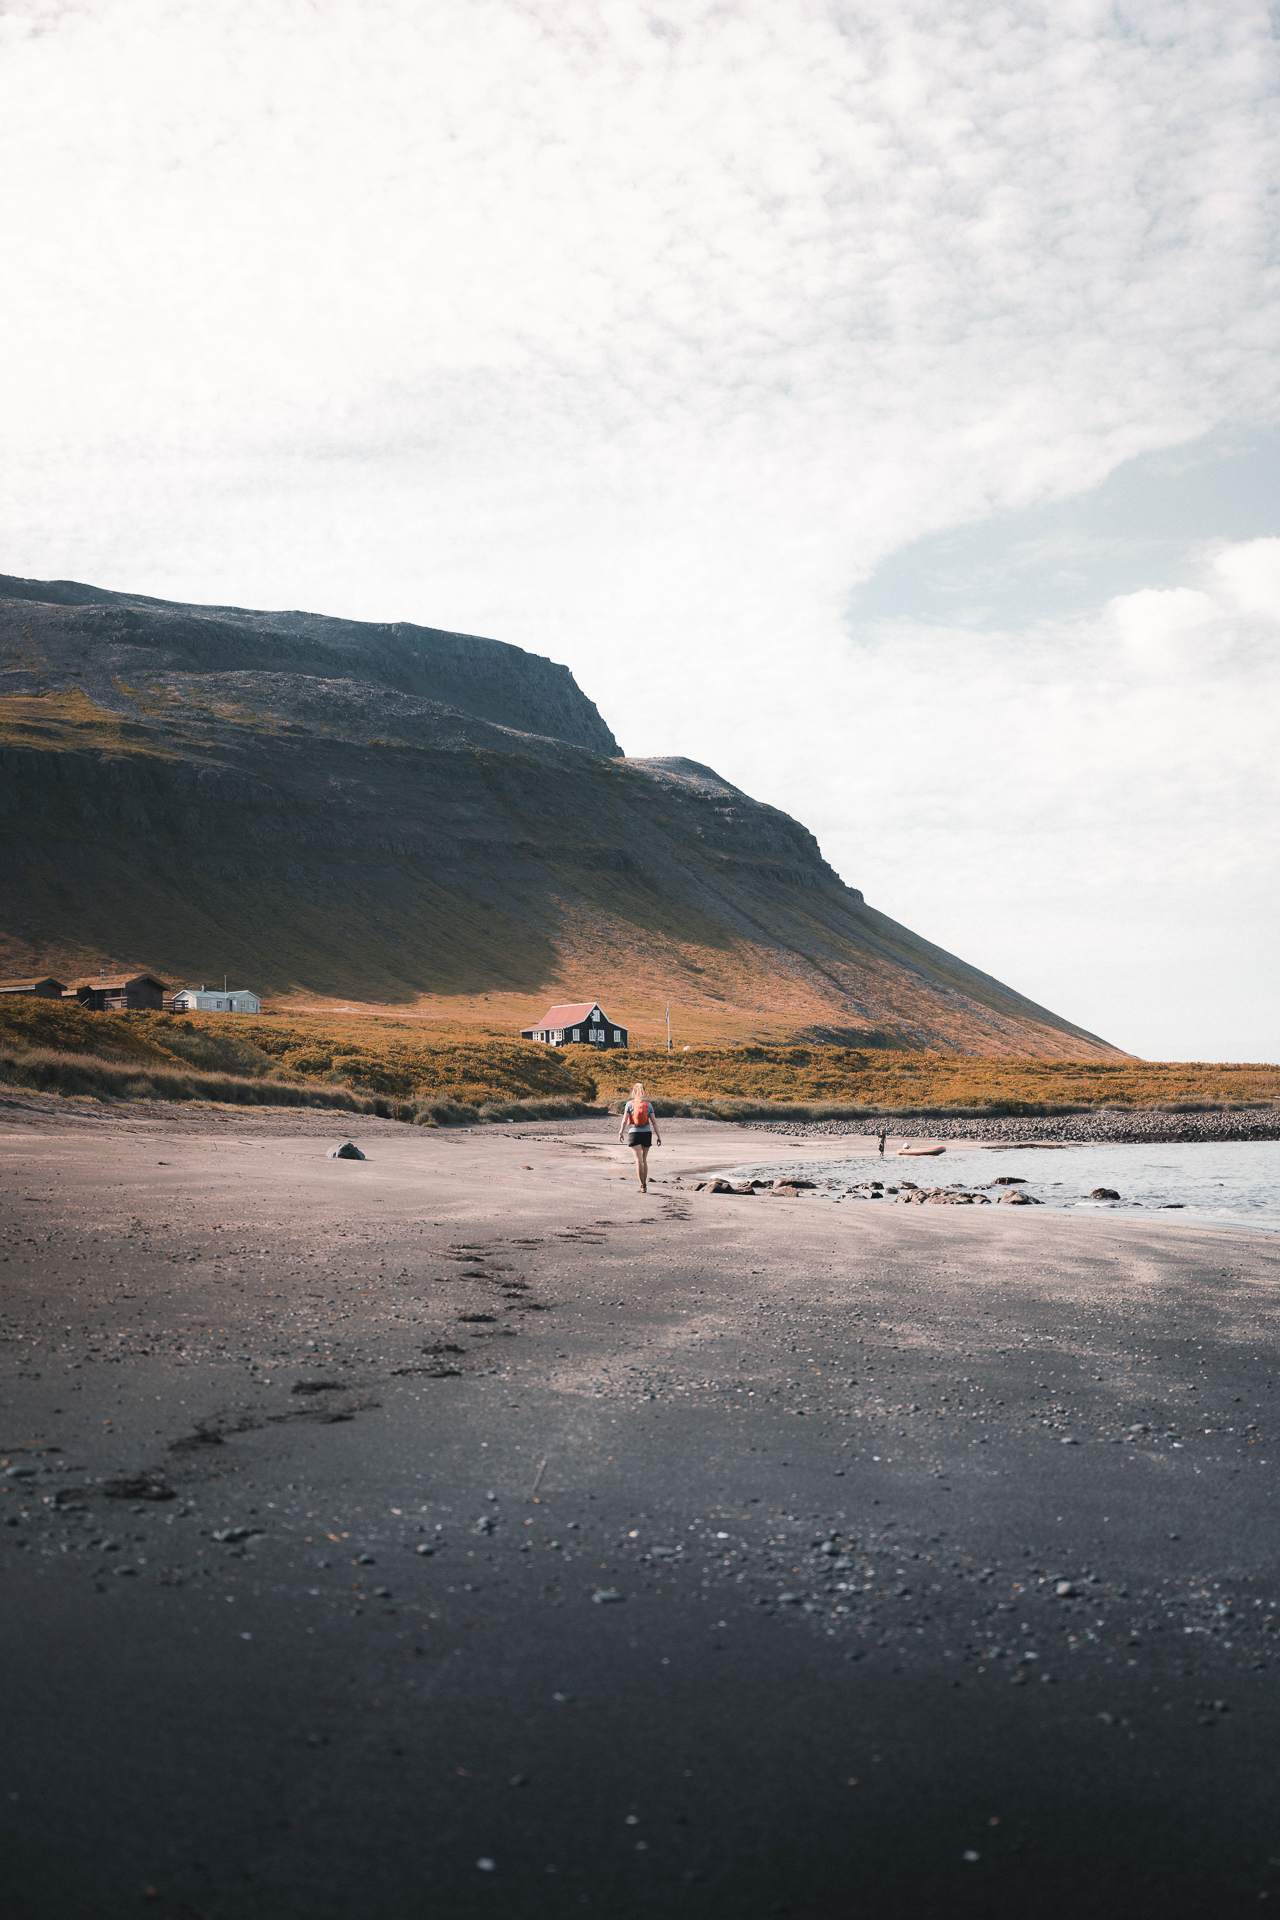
{"x": 350, "y": 1066}
{"x": 823, "y": 1079}
{"x": 48, "y": 1070}
{"x": 403, "y": 1068}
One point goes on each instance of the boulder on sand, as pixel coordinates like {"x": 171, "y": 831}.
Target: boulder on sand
{"x": 347, "y": 1151}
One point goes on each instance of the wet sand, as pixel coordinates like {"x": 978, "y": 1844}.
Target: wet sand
{"x": 837, "y": 1463}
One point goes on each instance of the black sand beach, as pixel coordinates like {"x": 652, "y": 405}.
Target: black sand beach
{"x": 459, "y": 1533}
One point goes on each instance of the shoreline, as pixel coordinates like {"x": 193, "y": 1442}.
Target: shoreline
{"x": 1101, "y": 1126}
{"x": 1107, "y": 1126}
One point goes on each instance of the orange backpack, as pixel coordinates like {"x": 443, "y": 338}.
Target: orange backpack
{"x": 640, "y": 1114}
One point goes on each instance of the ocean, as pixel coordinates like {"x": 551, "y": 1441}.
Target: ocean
{"x": 1226, "y": 1183}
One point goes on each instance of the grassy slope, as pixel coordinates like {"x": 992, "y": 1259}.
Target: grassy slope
{"x": 405, "y": 1062}
{"x": 423, "y": 880}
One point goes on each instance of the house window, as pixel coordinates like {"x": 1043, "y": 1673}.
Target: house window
{"x": 617, "y": 1038}
{"x": 576, "y": 1034}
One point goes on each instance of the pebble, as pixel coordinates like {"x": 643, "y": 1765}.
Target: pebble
{"x": 347, "y": 1151}
{"x": 603, "y": 1595}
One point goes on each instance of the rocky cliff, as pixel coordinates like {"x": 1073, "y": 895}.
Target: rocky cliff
{"x": 384, "y": 813}
{"x": 108, "y": 641}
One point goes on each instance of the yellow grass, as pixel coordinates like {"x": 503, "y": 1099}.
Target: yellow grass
{"x": 414, "y": 1061}
{"x": 902, "y": 1081}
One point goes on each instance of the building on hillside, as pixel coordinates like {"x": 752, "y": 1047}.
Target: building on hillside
{"x": 582, "y": 1024}
{"x": 119, "y": 993}
{"x": 204, "y": 999}
{"x": 35, "y": 989}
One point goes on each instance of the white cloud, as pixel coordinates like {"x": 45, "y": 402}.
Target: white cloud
{"x": 1090, "y": 808}
{"x": 638, "y": 334}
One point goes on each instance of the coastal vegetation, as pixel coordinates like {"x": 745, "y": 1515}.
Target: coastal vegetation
{"x": 409, "y": 1070}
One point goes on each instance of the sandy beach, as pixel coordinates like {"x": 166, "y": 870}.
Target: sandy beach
{"x": 460, "y": 1532}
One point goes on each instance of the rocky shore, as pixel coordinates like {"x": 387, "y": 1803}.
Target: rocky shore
{"x": 1119, "y": 1125}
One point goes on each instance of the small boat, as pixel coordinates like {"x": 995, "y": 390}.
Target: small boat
{"x": 919, "y": 1153}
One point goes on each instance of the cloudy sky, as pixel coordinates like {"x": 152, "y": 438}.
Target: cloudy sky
{"x": 878, "y": 402}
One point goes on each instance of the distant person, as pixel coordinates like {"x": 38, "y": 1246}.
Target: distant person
{"x": 640, "y": 1129}
{"x": 883, "y": 1138}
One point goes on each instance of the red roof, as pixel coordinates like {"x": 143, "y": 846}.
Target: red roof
{"x": 567, "y": 1016}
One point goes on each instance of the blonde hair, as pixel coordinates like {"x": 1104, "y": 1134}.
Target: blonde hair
{"x": 638, "y": 1089}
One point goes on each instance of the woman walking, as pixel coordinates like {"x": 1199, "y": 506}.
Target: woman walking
{"x": 640, "y": 1129}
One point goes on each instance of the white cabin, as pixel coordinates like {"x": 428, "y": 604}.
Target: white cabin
{"x": 204, "y": 999}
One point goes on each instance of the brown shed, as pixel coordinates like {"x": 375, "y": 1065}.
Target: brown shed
{"x": 123, "y": 993}
{"x": 46, "y": 989}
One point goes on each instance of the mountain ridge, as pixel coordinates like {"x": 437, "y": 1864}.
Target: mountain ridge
{"x": 296, "y": 800}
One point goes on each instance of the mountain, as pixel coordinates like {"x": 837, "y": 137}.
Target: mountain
{"x": 396, "y": 815}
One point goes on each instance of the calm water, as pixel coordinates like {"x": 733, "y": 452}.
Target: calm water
{"x": 1231, "y": 1183}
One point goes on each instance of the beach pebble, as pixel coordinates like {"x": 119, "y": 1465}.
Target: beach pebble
{"x": 425, "y": 1548}
{"x": 1104, "y": 1193}
{"x": 225, "y": 1535}
{"x": 19, "y": 1473}
{"x": 1065, "y": 1590}
{"x": 603, "y": 1595}
{"x": 347, "y": 1151}
{"x": 365, "y": 1560}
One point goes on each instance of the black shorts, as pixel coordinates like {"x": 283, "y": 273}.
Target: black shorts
{"x": 639, "y": 1137}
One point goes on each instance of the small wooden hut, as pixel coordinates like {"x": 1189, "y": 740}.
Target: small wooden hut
{"x": 120, "y": 993}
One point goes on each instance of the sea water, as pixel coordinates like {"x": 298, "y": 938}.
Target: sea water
{"x": 1233, "y": 1183}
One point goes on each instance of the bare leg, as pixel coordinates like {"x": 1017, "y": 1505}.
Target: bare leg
{"x": 642, "y": 1167}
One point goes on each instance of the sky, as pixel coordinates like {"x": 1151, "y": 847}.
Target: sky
{"x": 877, "y": 403}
